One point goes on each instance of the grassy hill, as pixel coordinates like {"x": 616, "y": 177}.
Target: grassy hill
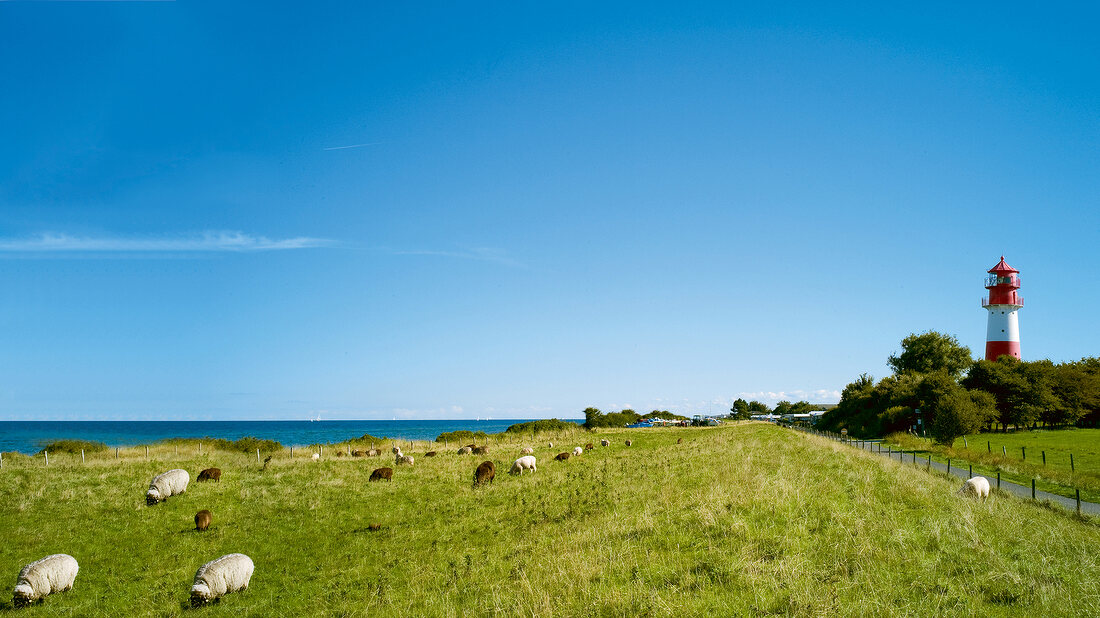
{"x": 746, "y": 519}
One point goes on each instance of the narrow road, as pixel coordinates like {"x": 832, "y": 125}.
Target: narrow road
{"x": 907, "y": 457}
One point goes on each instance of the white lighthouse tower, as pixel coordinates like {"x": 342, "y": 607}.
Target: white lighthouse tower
{"x": 1002, "y": 335}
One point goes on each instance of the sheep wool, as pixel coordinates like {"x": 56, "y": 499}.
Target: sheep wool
{"x": 44, "y": 577}
{"x": 977, "y": 486}
{"x": 166, "y": 485}
{"x": 523, "y": 463}
{"x": 218, "y": 578}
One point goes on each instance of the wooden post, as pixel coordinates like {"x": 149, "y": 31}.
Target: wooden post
{"x": 292, "y": 452}
{"x": 971, "y": 471}
{"x": 1078, "y": 492}
{"x": 200, "y": 447}
{"x": 1004, "y": 453}
{"x": 1023, "y": 453}
{"x": 1032, "y": 489}
{"x": 1, "y": 460}
{"x": 116, "y": 452}
{"x": 81, "y": 455}
{"x": 929, "y": 462}
{"x": 47, "y": 454}
{"x": 998, "y": 479}
{"x": 914, "y": 458}
{"x": 349, "y": 449}
{"x": 321, "y": 450}
{"x": 257, "y": 455}
{"x": 147, "y": 452}
{"x": 1044, "y": 457}
{"x": 988, "y": 447}
{"x": 1071, "y": 468}
{"x": 964, "y": 444}
{"x": 948, "y": 466}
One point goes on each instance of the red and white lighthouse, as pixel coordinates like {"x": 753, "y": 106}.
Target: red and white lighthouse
{"x": 1002, "y": 334}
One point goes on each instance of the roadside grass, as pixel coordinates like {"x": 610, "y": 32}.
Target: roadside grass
{"x": 738, "y": 520}
{"x": 985, "y": 453}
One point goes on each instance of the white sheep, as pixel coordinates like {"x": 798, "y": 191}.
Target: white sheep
{"x": 396, "y": 450}
{"x": 44, "y": 577}
{"x": 218, "y": 578}
{"x": 403, "y": 460}
{"x": 629, "y": 442}
{"x": 315, "y": 456}
{"x": 578, "y": 451}
{"x": 549, "y": 445}
{"x": 465, "y": 450}
{"x": 166, "y": 485}
{"x": 523, "y": 463}
{"x": 605, "y": 442}
{"x": 527, "y": 450}
{"x": 977, "y": 486}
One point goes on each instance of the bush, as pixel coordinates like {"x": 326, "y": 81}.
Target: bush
{"x": 74, "y": 446}
{"x": 369, "y": 438}
{"x": 462, "y": 435}
{"x": 540, "y": 426}
{"x": 247, "y": 444}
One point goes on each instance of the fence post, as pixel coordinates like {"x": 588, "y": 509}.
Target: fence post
{"x": 998, "y": 479}
{"x": 929, "y": 462}
{"x": 971, "y": 471}
{"x": 292, "y": 452}
{"x": 1004, "y": 453}
{"x": 1032, "y": 489}
{"x": 964, "y": 444}
{"x": 1, "y": 460}
{"x": 948, "y": 466}
{"x": 988, "y": 447}
{"x": 116, "y": 452}
{"x": 914, "y": 458}
{"x": 1023, "y": 453}
{"x": 1071, "y": 469}
{"x": 1044, "y": 457}
{"x": 81, "y": 455}
{"x": 147, "y": 452}
{"x": 1078, "y": 492}
{"x": 257, "y": 455}
{"x": 47, "y": 454}
{"x": 200, "y": 447}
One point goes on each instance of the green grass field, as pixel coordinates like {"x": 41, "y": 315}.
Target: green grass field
{"x": 1001, "y": 452}
{"x": 749, "y": 519}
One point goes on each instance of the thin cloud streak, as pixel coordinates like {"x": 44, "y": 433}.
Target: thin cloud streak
{"x": 237, "y": 242}
{"x": 351, "y": 146}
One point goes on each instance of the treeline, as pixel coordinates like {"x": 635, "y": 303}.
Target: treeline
{"x": 594, "y": 418}
{"x": 938, "y": 388}
{"x": 744, "y": 410}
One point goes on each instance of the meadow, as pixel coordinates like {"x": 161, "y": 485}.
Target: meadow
{"x": 748, "y": 519}
{"x": 1023, "y": 455}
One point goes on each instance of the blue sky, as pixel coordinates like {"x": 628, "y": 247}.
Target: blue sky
{"x": 517, "y": 210}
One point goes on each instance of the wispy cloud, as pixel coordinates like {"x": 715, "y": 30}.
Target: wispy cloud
{"x": 351, "y": 146}
{"x": 484, "y": 254}
{"x": 206, "y": 242}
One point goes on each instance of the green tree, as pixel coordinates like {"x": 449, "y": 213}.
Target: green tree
{"x": 930, "y": 352}
{"x": 592, "y": 416}
{"x": 757, "y": 407}
{"x": 740, "y": 409}
{"x": 958, "y": 412}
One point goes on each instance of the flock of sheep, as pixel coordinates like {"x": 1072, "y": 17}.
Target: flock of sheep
{"x": 233, "y": 572}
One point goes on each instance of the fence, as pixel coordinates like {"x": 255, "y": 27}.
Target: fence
{"x": 926, "y": 462}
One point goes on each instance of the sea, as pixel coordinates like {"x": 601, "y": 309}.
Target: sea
{"x": 30, "y": 436}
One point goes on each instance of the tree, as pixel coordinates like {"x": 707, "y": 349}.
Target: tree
{"x": 1023, "y": 390}
{"x": 591, "y": 417}
{"x": 930, "y": 352}
{"x": 757, "y": 407}
{"x": 783, "y": 407}
{"x": 740, "y": 409}
{"x": 958, "y": 412}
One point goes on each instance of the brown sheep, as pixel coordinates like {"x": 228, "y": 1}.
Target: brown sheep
{"x": 680, "y": 441}
{"x": 210, "y": 474}
{"x": 202, "y": 520}
{"x": 471, "y": 446}
{"x": 485, "y": 472}
{"x": 357, "y": 453}
{"x": 374, "y": 527}
{"x": 430, "y": 454}
{"x": 339, "y": 453}
{"x": 629, "y": 442}
{"x": 381, "y": 473}
{"x": 589, "y": 446}
{"x": 374, "y": 453}
{"x": 561, "y": 456}
{"x": 481, "y": 450}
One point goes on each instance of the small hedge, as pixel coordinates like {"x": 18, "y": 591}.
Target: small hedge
{"x": 462, "y": 435}
{"x": 74, "y": 446}
{"x": 552, "y": 424}
{"x": 247, "y": 444}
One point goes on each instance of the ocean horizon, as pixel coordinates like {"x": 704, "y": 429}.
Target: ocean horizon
{"x": 30, "y": 436}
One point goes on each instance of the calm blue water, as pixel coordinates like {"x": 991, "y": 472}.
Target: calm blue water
{"x": 30, "y": 436}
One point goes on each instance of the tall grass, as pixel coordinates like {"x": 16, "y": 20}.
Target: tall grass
{"x": 743, "y": 520}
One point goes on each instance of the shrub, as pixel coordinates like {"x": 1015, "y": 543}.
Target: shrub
{"x": 74, "y": 446}
{"x": 462, "y": 435}
{"x": 552, "y": 424}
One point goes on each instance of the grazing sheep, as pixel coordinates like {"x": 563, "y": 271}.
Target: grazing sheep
{"x": 605, "y": 442}
{"x": 485, "y": 472}
{"x": 977, "y": 486}
{"x": 397, "y": 450}
{"x": 527, "y": 450}
{"x": 41, "y": 578}
{"x": 218, "y": 578}
{"x": 471, "y": 445}
{"x": 166, "y": 485}
{"x": 679, "y": 441}
{"x": 339, "y": 453}
{"x": 481, "y": 450}
{"x": 374, "y": 453}
{"x": 210, "y": 474}
{"x": 430, "y": 454}
{"x": 629, "y": 442}
{"x": 374, "y": 527}
{"x": 577, "y": 451}
{"x": 357, "y": 453}
{"x": 403, "y": 460}
{"x": 315, "y": 456}
{"x": 523, "y": 463}
{"x": 202, "y": 520}
{"x": 465, "y": 450}
{"x": 549, "y": 445}
{"x": 381, "y": 473}
{"x": 561, "y": 456}
{"x": 589, "y": 446}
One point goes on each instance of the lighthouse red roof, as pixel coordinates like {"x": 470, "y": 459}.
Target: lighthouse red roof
{"x": 1002, "y": 267}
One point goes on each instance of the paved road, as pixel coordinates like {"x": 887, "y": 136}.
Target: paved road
{"x": 874, "y": 446}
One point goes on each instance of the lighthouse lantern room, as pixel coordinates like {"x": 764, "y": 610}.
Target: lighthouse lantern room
{"x": 1003, "y": 302}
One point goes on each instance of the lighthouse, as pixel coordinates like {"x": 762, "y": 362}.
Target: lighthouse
{"x": 1003, "y": 330}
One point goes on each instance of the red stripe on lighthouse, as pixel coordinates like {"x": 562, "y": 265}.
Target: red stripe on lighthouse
{"x": 994, "y": 349}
